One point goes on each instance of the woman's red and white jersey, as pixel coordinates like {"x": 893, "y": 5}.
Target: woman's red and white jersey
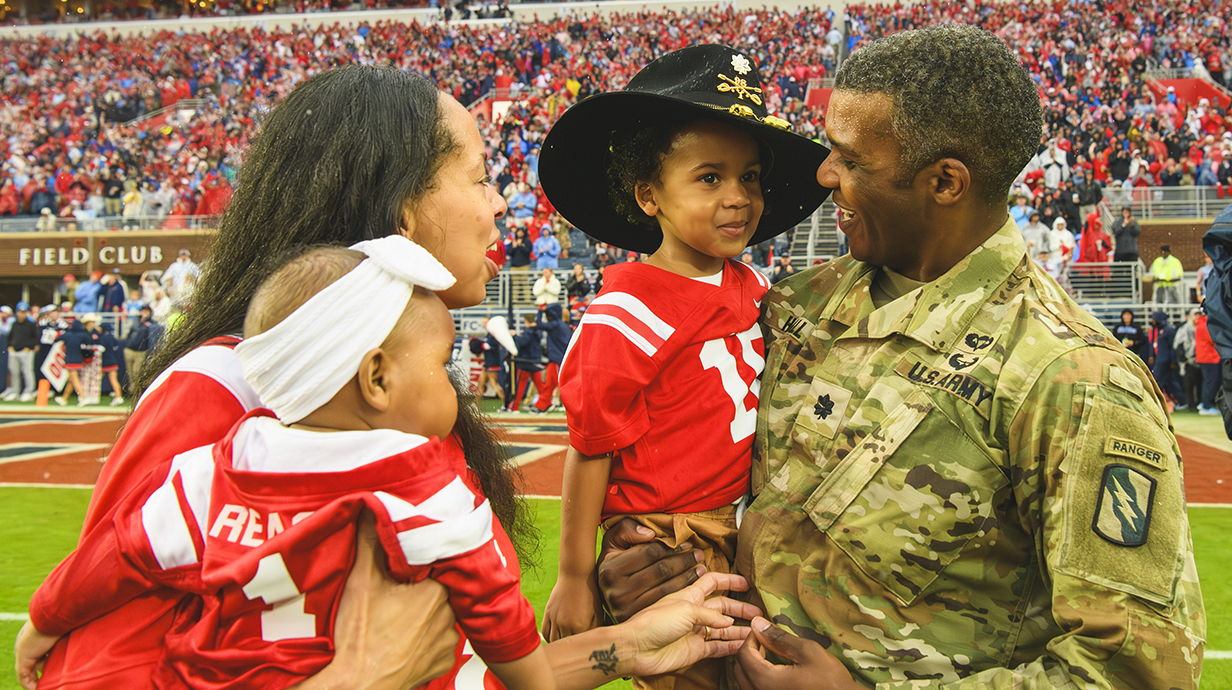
{"x": 663, "y": 372}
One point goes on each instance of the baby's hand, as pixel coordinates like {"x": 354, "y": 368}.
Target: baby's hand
{"x": 31, "y": 648}
{"x": 573, "y": 608}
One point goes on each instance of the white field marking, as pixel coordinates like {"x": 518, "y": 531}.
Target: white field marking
{"x": 545, "y": 498}
{"x": 544, "y": 450}
{"x": 34, "y": 485}
{"x": 51, "y": 450}
{"x": 14, "y": 617}
{"x": 1216, "y": 654}
{"x": 1208, "y": 444}
{"x": 1208, "y": 505}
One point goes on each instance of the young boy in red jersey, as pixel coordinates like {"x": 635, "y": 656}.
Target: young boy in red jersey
{"x": 660, "y": 381}
{"x": 262, "y": 525}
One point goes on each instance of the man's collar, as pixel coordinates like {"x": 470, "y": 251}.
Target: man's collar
{"x": 937, "y": 313}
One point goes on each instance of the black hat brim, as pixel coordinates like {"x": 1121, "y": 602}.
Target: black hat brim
{"x": 575, "y": 155}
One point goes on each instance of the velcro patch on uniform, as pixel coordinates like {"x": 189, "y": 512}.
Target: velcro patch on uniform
{"x": 797, "y": 327}
{"x": 825, "y": 409}
{"x": 1137, "y": 451}
{"x": 1123, "y": 511}
{"x": 963, "y": 386}
{"x": 1124, "y": 380}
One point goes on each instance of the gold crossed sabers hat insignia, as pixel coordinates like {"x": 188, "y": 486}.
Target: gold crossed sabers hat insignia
{"x": 741, "y": 87}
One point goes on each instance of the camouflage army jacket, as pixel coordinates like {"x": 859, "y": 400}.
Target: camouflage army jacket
{"x": 974, "y": 486}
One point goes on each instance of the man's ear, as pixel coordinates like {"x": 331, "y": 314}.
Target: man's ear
{"x": 373, "y": 379}
{"x": 644, "y": 193}
{"x": 949, "y": 181}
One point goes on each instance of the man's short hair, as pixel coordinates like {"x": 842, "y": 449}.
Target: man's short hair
{"x": 957, "y": 92}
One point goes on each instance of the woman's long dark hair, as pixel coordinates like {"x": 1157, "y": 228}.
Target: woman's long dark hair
{"x": 337, "y": 162}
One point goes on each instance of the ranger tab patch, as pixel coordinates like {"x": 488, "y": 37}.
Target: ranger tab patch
{"x": 1123, "y": 512}
{"x": 1132, "y": 449}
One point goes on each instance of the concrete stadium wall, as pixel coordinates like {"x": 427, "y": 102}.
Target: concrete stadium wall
{"x": 522, "y": 11}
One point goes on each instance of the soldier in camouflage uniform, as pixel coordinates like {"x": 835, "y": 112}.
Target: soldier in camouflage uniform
{"x": 962, "y": 480}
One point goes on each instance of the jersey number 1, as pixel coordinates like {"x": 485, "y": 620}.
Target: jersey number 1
{"x": 272, "y": 584}
{"x": 715, "y": 355}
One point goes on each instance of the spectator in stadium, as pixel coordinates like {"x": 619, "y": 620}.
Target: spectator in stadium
{"x": 1131, "y": 335}
{"x": 111, "y": 294}
{"x": 1020, "y": 211}
{"x": 181, "y": 272}
{"x": 493, "y": 357}
{"x": 23, "y": 342}
{"x": 46, "y": 221}
{"x": 1125, "y": 232}
{"x": 1208, "y": 360}
{"x": 424, "y": 178}
{"x": 112, "y": 354}
{"x": 142, "y": 337}
{"x": 835, "y": 517}
{"x": 546, "y": 289}
{"x": 782, "y": 269}
{"x": 1163, "y": 359}
{"x": 1167, "y": 274}
{"x": 1203, "y": 273}
{"x": 577, "y": 285}
{"x": 78, "y": 349}
{"x": 1037, "y": 236}
{"x": 1061, "y": 240}
{"x": 86, "y": 295}
{"x": 555, "y": 327}
{"x": 1090, "y": 193}
{"x": 522, "y": 207}
{"x": 528, "y": 365}
{"x": 1185, "y": 345}
{"x": 547, "y": 249}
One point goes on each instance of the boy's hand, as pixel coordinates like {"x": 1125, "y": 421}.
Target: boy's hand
{"x": 31, "y": 651}
{"x": 573, "y": 607}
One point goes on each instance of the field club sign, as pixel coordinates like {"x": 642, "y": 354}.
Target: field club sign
{"x": 80, "y": 253}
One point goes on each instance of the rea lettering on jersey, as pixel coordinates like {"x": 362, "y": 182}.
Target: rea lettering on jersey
{"x": 245, "y": 525}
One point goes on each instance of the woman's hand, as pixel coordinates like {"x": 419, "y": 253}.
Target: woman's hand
{"x": 573, "y": 607}
{"x": 690, "y": 625}
{"x": 388, "y": 636}
{"x": 31, "y": 651}
{"x": 634, "y": 571}
{"x": 811, "y": 667}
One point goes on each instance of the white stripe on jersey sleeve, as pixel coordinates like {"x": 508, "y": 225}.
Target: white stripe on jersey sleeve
{"x": 166, "y": 528}
{"x": 197, "y": 476}
{"x": 431, "y": 543}
{"x": 217, "y": 362}
{"x": 620, "y": 326}
{"x": 638, "y": 310}
{"x": 452, "y": 501}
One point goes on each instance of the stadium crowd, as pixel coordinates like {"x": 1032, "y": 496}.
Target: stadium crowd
{"x": 65, "y": 103}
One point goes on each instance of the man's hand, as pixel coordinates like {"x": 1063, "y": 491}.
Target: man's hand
{"x": 634, "y": 571}
{"x": 810, "y": 667}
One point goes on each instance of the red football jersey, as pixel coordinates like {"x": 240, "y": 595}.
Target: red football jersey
{"x": 122, "y": 649}
{"x": 263, "y": 525}
{"x": 663, "y": 372}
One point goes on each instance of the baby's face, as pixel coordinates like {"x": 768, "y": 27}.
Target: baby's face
{"x": 424, "y": 401}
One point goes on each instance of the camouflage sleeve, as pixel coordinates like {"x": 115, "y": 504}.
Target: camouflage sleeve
{"x": 1098, "y": 483}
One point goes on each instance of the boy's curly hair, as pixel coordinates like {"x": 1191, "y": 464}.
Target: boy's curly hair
{"x": 636, "y": 156}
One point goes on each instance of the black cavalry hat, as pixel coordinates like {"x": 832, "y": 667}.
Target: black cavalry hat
{"x": 704, "y": 81}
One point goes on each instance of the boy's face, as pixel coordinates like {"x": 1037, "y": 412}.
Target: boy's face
{"x": 423, "y": 399}
{"x": 708, "y": 197}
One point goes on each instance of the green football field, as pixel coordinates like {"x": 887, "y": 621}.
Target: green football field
{"x": 38, "y": 526}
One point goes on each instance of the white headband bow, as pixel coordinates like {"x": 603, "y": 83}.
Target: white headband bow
{"x": 300, "y": 364}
